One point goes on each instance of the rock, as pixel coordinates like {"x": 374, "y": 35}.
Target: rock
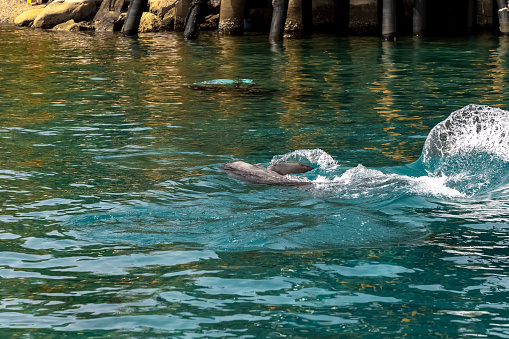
{"x": 169, "y": 20}
{"x": 108, "y": 15}
{"x": 119, "y": 24}
{"x": 161, "y": 7}
{"x": 107, "y": 22}
{"x": 150, "y": 23}
{"x": 26, "y": 18}
{"x": 211, "y": 22}
{"x": 70, "y": 25}
{"x": 61, "y": 11}
{"x": 74, "y": 26}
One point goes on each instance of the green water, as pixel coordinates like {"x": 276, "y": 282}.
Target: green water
{"x": 115, "y": 220}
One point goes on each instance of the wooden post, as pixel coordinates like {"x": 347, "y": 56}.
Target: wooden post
{"x": 277, "y": 25}
{"x": 181, "y": 10}
{"x": 503, "y": 16}
{"x": 231, "y": 17}
{"x": 132, "y": 21}
{"x": 419, "y": 18}
{"x": 294, "y": 21}
{"x": 194, "y": 19}
{"x": 389, "y": 20}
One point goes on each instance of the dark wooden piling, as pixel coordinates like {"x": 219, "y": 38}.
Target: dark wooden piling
{"x": 294, "y": 24}
{"x": 419, "y": 17}
{"x": 181, "y": 11}
{"x": 389, "y": 20}
{"x": 359, "y": 17}
{"x": 132, "y": 21}
{"x": 277, "y": 25}
{"x": 503, "y": 16}
{"x": 231, "y": 17}
{"x": 194, "y": 19}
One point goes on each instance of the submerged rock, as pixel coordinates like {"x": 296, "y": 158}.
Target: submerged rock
{"x": 225, "y": 85}
{"x": 74, "y": 26}
{"x": 28, "y": 17}
{"x": 62, "y": 11}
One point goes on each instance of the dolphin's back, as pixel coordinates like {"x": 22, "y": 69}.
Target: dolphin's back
{"x": 289, "y": 167}
{"x": 257, "y": 174}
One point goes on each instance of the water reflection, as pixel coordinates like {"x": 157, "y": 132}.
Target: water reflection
{"x": 498, "y": 63}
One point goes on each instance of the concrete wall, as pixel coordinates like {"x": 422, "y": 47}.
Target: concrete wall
{"x": 363, "y": 17}
{"x": 324, "y": 15}
{"x": 485, "y": 15}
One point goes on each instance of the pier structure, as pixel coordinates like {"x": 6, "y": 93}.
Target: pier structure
{"x": 231, "y": 17}
{"x": 386, "y": 18}
{"x": 503, "y": 16}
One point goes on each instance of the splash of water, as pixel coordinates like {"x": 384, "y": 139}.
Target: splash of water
{"x": 360, "y": 181}
{"x": 470, "y": 148}
{"x": 345, "y": 207}
{"x": 311, "y": 156}
{"x": 464, "y": 155}
{"x": 472, "y": 129}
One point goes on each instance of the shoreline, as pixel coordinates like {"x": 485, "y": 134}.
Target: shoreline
{"x": 10, "y": 9}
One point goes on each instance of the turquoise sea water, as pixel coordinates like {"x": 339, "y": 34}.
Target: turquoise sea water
{"x": 115, "y": 220}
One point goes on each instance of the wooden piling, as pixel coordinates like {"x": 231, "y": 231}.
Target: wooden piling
{"x": 182, "y": 8}
{"x": 389, "y": 20}
{"x": 231, "y": 17}
{"x": 277, "y": 25}
{"x": 194, "y": 19}
{"x": 503, "y": 16}
{"x": 132, "y": 21}
{"x": 294, "y": 25}
{"x": 419, "y": 17}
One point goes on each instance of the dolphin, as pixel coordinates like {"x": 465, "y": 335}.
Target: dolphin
{"x": 276, "y": 174}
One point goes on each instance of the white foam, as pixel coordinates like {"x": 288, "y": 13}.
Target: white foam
{"x": 434, "y": 186}
{"x": 313, "y": 156}
{"x": 371, "y": 181}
